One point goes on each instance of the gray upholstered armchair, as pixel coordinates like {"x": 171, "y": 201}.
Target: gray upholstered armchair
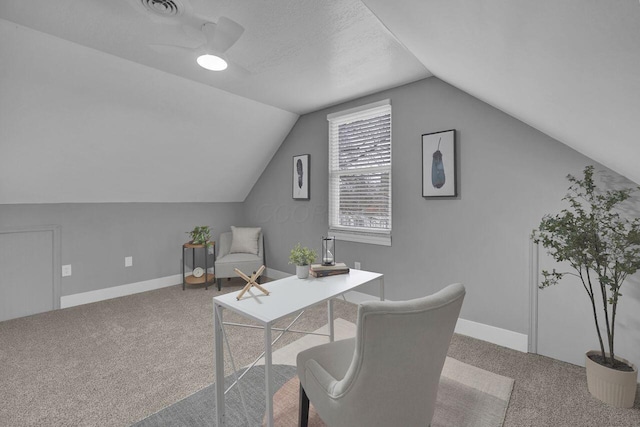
{"x": 242, "y": 248}
{"x": 387, "y": 375}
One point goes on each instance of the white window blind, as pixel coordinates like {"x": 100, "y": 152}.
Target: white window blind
{"x": 360, "y": 173}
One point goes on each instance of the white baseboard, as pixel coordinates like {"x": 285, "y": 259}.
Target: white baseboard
{"x": 119, "y": 291}
{"x": 492, "y": 334}
{"x": 499, "y": 336}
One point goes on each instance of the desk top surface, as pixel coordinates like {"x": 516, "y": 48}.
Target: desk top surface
{"x": 291, "y": 295}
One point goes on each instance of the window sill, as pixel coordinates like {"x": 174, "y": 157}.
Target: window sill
{"x": 383, "y": 240}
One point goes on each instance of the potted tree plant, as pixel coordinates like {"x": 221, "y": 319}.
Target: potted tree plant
{"x": 302, "y": 258}
{"x": 602, "y": 247}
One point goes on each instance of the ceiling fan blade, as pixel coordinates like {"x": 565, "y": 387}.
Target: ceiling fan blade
{"x": 195, "y": 34}
{"x": 170, "y": 48}
{"x": 223, "y": 34}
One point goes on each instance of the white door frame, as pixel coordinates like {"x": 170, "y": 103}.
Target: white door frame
{"x": 534, "y": 281}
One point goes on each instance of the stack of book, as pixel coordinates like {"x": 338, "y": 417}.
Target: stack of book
{"x": 319, "y": 270}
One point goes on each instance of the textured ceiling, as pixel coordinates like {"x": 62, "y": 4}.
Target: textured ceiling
{"x": 297, "y": 55}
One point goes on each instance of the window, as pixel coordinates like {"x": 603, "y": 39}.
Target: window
{"x": 360, "y": 174}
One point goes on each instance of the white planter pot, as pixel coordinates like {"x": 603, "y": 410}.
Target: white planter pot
{"x": 302, "y": 271}
{"x": 617, "y": 388}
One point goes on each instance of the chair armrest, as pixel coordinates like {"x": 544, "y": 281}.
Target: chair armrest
{"x": 323, "y": 378}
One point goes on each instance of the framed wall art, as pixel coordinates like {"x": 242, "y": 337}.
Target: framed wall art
{"x": 439, "y": 172}
{"x": 301, "y": 177}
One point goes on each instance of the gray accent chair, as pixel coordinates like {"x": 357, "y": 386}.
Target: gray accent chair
{"x": 387, "y": 375}
{"x": 245, "y": 262}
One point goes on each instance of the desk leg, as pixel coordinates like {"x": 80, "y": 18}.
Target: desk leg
{"x": 219, "y": 359}
{"x": 382, "y": 288}
{"x": 330, "y": 320}
{"x": 268, "y": 376}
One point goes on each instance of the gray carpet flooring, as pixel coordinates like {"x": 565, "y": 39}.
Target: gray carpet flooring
{"x": 115, "y": 362}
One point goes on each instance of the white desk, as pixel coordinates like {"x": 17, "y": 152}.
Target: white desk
{"x": 287, "y": 296}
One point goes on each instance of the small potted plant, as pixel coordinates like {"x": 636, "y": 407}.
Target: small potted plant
{"x": 602, "y": 247}
{"x": 302, "y": 258}
{"x": 200, "y": 235}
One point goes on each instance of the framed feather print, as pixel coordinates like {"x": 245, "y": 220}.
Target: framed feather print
{"x": 301, "y": 177}
{"x": 439, "y": 172}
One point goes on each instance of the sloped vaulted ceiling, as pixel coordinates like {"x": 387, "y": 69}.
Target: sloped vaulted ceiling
{"x": 81, "y": 126}
{"x": 570, "y": 68}
{"x": 92, "y": 110}
{"x": 89, "y": 112}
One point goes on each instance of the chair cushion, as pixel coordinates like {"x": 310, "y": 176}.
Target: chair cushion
{"x": 236, "y": 258}
{"x": 247, "y": 263}
{"x": 245, "y": 240}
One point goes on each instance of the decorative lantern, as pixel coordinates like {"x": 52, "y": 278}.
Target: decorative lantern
{"x": 328, "y": 250}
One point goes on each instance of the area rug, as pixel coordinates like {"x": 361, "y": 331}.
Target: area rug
{"x": 468, "y": 396}
{"x": 199, "y": 409}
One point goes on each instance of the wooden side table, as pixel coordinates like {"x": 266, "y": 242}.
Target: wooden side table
{"x": 206, "y": 277}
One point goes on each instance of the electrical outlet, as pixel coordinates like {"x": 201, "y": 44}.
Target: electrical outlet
{"x": 356, "y": 265}
{"x": 66, "y": 270}
{"x": 128, "y": 261}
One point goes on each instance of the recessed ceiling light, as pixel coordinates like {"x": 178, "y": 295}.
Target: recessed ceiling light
{"x": 212, "y": 62}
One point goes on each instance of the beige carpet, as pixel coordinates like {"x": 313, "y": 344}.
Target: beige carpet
{"x": 468, "y": 396}
{"x": 115, "y": 362}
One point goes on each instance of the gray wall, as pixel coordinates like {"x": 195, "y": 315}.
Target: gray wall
{"x": 96, "y": 237}
{"x": 510, "y": 176}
